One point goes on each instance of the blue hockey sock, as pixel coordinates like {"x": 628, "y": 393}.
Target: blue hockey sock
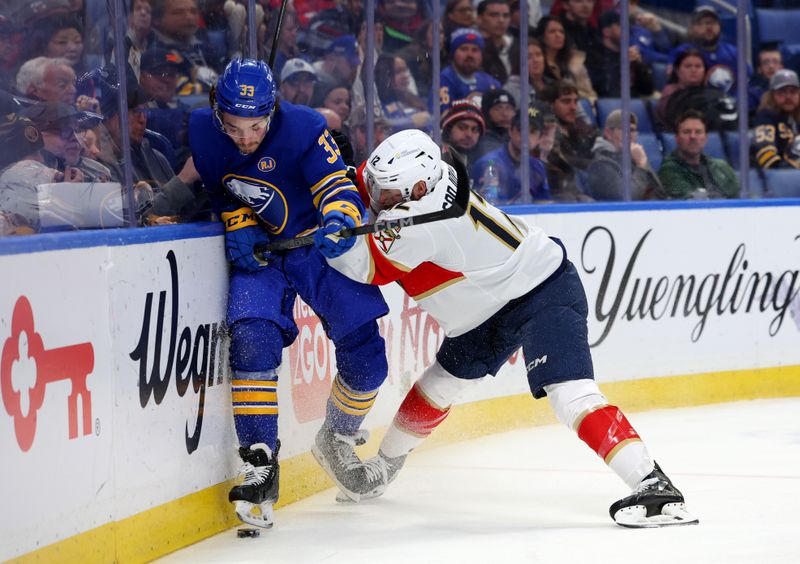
{"x": 255, "y": 407}
{"x": 346, "y": 408}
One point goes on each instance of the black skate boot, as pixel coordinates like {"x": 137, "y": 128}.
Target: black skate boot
{"x": 654, "y": 503}
{"x": 337, "y": 456}
{"x": 255, "y": 496}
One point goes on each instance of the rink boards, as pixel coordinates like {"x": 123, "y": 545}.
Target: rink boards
{"x": 116, "y": 429}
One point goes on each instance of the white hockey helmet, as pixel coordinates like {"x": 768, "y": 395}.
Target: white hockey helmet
{"x": 402, "y": 160}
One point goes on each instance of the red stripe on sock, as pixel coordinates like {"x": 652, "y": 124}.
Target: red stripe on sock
{"x": 604, "y": 429}
{"x": 417, "y": 415}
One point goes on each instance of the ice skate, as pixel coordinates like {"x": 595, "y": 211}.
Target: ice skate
{"x": 337, "y": 456}
{"x": 255, "y": 496}
{"x": 381, "y": 465}
{"x": 654, "y": 503}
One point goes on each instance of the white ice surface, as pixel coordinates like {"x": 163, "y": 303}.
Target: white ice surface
{"x": 540, "y": 496}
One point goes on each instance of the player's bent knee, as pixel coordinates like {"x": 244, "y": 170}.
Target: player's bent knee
{"x": 361, "y": 358}
{"x": 256, "y": 345}
{"x": 441, "y": 387}
{"x": 573, "y": 399}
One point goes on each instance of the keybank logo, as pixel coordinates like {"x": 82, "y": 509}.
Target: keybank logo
{"x": 196, "y": 354}
{"x": 26, "y": 368}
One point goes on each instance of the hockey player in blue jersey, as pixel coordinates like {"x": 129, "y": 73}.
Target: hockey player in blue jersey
{"x": 273, "y": 171}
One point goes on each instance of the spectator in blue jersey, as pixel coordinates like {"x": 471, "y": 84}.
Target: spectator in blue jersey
{"x": 705, "y": 35}
{"x": 158, "y": 77}
{"x": 463, "y": 77}
{"x": 462, "y": 127}
{"x": 604, "y": 175}
{"x": 508, "y": 160}
{"x": 403, "y": 108}
{"x": 274, "y": 172}
{"x": 647, "y": 33}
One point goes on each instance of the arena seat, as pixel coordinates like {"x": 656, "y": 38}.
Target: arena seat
{"x": 777, "y": 26}
{"x": 652, "y": 146}
{"x": 606, "y": 105}
{"x": 586, "y": 104}
{"x": 782, "y": 183}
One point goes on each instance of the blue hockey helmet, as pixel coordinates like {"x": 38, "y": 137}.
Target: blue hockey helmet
{"x": 246, "y": 88}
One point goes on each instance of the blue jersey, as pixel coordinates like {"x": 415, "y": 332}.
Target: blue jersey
{"x": 294, "y": 173}
{"x": 724, "y": 56}
{"x": 509, "y": 176}
{"x": 453, "y": 88}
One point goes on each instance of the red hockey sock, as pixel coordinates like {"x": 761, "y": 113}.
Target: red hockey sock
{"x": 418, "y": 415}
{"x": 606, "y": 430}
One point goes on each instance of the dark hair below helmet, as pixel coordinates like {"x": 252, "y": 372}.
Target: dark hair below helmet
{"x": 246, "y": 88}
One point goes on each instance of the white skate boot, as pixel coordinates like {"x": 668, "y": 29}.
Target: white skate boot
{"x": 337, "y": 456}
{"x": 255, "y": 496}
{"x": 654, "y": 503}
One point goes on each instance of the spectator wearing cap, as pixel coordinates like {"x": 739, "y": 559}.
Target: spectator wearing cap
{"x": 401, "y": 106}
{"x": 577, "y": 25}
{"x": 572, "y": 150}
{"x": 22, "y": 170}
{"x": 462, "y": 127}
{"x": 705, "y": 35}
{"x": 463, "y": 77}
{"x": 688, "y": 173}
{"x": 494, "y": 18}
{"x": 507, "y": 160}
{"x": 603, "y": 62}
{"x": 168, "y": 115}
{"x": 604, "y": 175}
{"x": 340, "y": 61}
{"x": 401, "y": 19}
{"x": 47, "y": 80}
{"x": 162, "y": 196}
{"x": 498, "y": 109}
{"x": 562, "y": 60}
{"x": 58, "y": 124}
{"x": 176, "y": 28}
{"x": 297, "y": 82}
{"x": 776, "y": 143}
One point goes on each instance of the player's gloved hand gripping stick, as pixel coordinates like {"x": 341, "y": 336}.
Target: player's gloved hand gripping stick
{"x": 457, "y": 208}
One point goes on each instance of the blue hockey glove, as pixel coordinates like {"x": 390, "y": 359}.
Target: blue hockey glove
{"x": 335, "y": 217}
{"x": 242, "y": 234}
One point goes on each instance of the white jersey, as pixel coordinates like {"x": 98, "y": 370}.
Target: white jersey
{"x": 460, "y": 270}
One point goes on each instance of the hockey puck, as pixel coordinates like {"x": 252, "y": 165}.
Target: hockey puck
{"x": 248, "y": 533}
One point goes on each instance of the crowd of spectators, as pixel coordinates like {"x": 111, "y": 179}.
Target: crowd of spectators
{"x": 59, "y": 94}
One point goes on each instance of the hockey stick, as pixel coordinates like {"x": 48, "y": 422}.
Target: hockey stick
{"x": 457, "y": 208}
{"x": 278, "y": 25}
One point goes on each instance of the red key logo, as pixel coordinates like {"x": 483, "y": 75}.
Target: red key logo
{"x": 23, "y": 398}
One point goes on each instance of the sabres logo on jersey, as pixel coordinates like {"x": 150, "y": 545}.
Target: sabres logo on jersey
{"x": 386, "y": 238}
{"x": 266, "y": 199}
{"x": 266, "y": 164}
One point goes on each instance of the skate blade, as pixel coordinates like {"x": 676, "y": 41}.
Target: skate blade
{"x": 258, "y": 515}
{"x": 342, "y": 497}
{"x": 672, "y": 514}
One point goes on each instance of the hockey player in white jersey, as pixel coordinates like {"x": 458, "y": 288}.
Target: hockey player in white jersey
{"x": 495, "y": 284}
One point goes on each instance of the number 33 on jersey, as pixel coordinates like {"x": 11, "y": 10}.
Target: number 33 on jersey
{"x": 461, "y": 270}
